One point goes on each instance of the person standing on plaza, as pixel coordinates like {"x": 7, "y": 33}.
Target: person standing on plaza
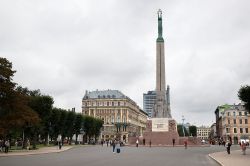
{"x": 16, "y": 144}
{"x": 243, "y": 147}
{"x": 102, "y": 142}
{"x": 107, "y": 141}
{"x": 28, "y": 144}
{"x": 7, "y": 145}
{"x": 137, "y": 143}
{"x": 113, "y": 145}
{"x": 185, "y": 144}
{"x": 150, "y": 143}
{"x": 228, "y": 145}
{"x": 1, "y": 145}
{"x": 173, "y": 142}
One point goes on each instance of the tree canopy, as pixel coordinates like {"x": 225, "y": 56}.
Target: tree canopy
{"x": 193, "y": 131}
{"x": 29, "y": 112}
{"x": 244, "y": 95}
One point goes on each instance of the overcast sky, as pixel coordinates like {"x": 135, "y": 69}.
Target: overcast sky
{"x": 66, "y": 47}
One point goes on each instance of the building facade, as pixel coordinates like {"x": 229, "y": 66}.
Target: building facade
{"x": 149, "y": 99}
{"x": 213, "y": 133}
{"x": 122, "y": 117}
{"x": 203, "y": 132}
{"x": 232, "y": 123}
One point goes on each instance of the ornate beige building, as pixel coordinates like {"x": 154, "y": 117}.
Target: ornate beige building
{"x": 232, "y": 123}
{"x": 122, "y": 116}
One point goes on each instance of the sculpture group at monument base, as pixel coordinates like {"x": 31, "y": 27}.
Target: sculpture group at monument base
{"x": 161, "y": 131}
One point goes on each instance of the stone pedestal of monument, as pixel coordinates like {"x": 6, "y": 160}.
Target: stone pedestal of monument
{"x": 161, "y": 131}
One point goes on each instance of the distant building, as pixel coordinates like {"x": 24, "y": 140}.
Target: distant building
{"x": 149, "y": 101}
{"x": 213, "y": 135}
{"x": 203, "y": 132}
{"x": 122, "y": 116}
{"x": 232, "y": 123}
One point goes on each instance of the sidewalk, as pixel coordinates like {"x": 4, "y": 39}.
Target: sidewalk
{"x": 235, "y": 158}
{"x": 53, "y": 149}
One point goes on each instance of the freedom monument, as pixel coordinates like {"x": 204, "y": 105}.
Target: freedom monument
{"x": 161, "y": 128}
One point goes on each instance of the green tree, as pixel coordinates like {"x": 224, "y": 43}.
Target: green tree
{"x": 193, "y": 131}
{"x": 55, "y": 122}
{"x": 88, "y": 127}
{"x": 98, "y": 123}
{"x": 42, "y": 104}
{"x": 62, "y": 123}
{"x": 78, "y": 125}
{"x": 244, "y": 95}
{"x": 70, "y": 122}
{"x": 15, "y": 112}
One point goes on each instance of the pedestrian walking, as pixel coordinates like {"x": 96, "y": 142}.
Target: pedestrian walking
{"x": 107, "y": 141}
{"x": 243, "y": 147}
{"x": 7, "y": 145}
{"x": 150, "y": 143}
{"x": 137, "y": 143}
{"x": 102, "y": 142}
{"x": 28, "y": 144}
{"x": 16, "y": 144}
{"x": 60, "y": 145}
{"x": 185, "y": 144}
{"x": 228, "y": 145}
{"x": 173, "y": 142}
{"x": 113, "y": 145}
{"x": 1, "y": 145}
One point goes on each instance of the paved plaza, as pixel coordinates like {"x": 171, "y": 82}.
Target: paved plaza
{"x": 103, "y": 156}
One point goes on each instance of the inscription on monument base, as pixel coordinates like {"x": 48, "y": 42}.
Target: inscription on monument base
{"x": 160, "y": 124}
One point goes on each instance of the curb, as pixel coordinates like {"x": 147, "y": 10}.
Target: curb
{"x": 28, "y": 154}
{"x": 215, "y": 159}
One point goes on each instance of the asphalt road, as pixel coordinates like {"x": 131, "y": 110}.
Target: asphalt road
{"x": 129, "y": 156}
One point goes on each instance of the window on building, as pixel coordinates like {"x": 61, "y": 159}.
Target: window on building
{"x": 234, "y": 113}
{"x": 107, "y": 103}
{"x": 235, "y": 130}
{"x": 227, "y": 130}
{"x": 112, "y": 103}
{"x": 245, "y": 113}
{"x": 246, "y": 121}
{"x": 240, "y": 114}
{"x": 234, "y": 121}
{"x": 241, "y": 130}
{"x": 228, "y": 121}
{"x": 240, "y": 121}
{"x": 228, "y": 114}
{"x": 246, "y": 130}
{"x": 118, "y": 103}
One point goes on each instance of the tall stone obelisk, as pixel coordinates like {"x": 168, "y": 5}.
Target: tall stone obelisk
{"x": 161, "y": 109}
{"x": 161, "y": 129}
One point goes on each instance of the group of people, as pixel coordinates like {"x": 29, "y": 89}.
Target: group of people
{"x": 243, "y": 146}
{"x": 4, "y": 146}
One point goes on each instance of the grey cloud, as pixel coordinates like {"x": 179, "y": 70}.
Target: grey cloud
{"x": 67, "y": 47}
